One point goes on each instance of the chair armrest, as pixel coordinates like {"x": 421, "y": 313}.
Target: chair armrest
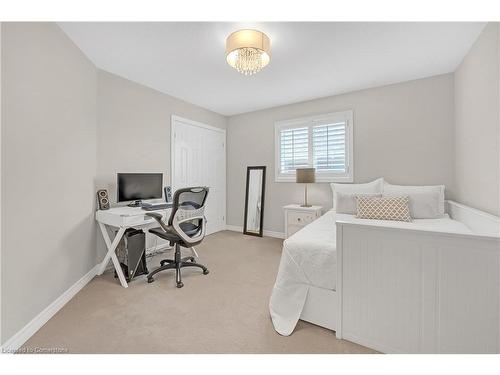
{"x": 159, "y": 219}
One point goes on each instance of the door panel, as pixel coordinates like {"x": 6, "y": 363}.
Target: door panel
{"x": 199, "y": 159}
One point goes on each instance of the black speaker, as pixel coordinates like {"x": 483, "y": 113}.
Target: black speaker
{"x": 103, "y": 199}
{"x": 168, "y": 194}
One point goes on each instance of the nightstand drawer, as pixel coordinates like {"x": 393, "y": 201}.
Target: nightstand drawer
{"x": 300, "y": 218}
{"x": 297, "y": 217}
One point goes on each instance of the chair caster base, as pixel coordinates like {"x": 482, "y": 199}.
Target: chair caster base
{"x": 151, "y": 280}
{"x": 180, "y": 285}
{"x": 206, "y": 272}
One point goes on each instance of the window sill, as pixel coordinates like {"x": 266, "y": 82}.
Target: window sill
{"x": 319, "y": 179}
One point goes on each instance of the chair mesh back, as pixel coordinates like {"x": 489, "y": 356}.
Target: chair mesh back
{"x": 191, "y": 198}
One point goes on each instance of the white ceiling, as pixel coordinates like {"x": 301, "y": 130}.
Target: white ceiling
{"x": 308, "y": 60}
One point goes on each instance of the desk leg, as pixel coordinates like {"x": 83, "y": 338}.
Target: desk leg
{"x": 111, "y": 253}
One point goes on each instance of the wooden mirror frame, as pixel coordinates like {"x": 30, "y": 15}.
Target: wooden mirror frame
{"x": 245, "y": 231}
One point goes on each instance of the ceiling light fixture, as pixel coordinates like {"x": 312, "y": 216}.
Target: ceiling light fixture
{"x": 248, "y": 51}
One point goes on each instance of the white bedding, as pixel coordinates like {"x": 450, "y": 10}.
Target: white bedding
{"x": 309, "y": 258}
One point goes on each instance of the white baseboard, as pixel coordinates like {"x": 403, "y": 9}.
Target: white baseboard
{"x": 234, "y": 228}
{"x": 18, "y": 339}
{"x": 270, "y": 233}
{"x": 267, "y": 233}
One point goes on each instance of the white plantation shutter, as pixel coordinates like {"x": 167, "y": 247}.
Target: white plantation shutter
{"x": 323, "y": 142}
{"x": 329, "y": 147}
{"x": 294, "y": 146}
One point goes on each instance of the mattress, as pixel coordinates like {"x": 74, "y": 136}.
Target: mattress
{"x": 309, "y": 258}
{"x": 444, "y": 224}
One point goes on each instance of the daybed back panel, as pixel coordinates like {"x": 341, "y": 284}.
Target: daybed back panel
{"x": 408, "y": 291}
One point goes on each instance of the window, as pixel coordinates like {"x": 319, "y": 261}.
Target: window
{"x": 323, "y": 142}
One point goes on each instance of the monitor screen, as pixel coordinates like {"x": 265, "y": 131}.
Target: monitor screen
{"x": 139, "y": 186}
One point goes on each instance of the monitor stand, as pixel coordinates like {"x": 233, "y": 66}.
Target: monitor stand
{"x": 135, "y": 204}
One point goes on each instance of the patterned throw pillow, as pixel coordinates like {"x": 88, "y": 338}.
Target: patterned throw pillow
{"x": 385, "y": 208}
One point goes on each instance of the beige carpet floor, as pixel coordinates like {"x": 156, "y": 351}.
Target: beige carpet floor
{"x": 223, "y": 312}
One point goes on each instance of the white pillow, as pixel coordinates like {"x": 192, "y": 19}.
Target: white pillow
{"x": 346, "y": 203}
{"x": 426, "y": 202}
{"x": 374, "y": 187}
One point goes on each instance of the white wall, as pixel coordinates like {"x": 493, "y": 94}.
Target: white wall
{"x": 477, "y": 123}
{"x": 403, "y": 132}
{"x": 48, "y": 168}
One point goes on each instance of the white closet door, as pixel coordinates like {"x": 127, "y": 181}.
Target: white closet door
{"x": 198, "y": 157}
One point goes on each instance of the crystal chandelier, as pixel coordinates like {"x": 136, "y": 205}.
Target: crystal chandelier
{"x": 248, "y": 51}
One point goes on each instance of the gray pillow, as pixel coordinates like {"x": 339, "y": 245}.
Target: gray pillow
{"x": 423, "y": 205}
{"x": 399, "y": 190}
{"x": 346, "y": 202}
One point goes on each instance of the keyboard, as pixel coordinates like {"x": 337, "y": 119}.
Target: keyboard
{"x": 157, "y": 206}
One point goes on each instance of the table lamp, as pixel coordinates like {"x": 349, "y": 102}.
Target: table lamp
{"x": 305, "y": 176}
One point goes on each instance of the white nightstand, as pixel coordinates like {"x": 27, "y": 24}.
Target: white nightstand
{"x": 297, "y": 217}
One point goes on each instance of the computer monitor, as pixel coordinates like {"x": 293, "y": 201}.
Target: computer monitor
{"x": 139, "y": 186}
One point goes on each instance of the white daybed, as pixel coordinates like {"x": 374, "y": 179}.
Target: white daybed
{"x": 431, "y": 285}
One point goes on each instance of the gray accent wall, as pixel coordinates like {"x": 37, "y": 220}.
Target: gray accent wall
{"x": 134, "y": 128}
{"x": 48, "y": 169}
{"x": 477, "y": 123}
{"x": 133, "y": 133}
{"x": 403, "y": 132}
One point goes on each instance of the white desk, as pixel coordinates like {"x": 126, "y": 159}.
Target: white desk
{"x": 123, "y": 218}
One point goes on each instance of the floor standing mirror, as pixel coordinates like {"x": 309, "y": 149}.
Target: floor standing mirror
{"x": 254, "y": 201}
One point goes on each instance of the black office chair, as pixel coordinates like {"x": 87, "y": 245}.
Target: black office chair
{"x": 186, "y": 228}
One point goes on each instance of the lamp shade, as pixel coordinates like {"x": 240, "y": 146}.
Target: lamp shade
{"x": 305, "y": 175}
{"x": 248, "y": 51}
